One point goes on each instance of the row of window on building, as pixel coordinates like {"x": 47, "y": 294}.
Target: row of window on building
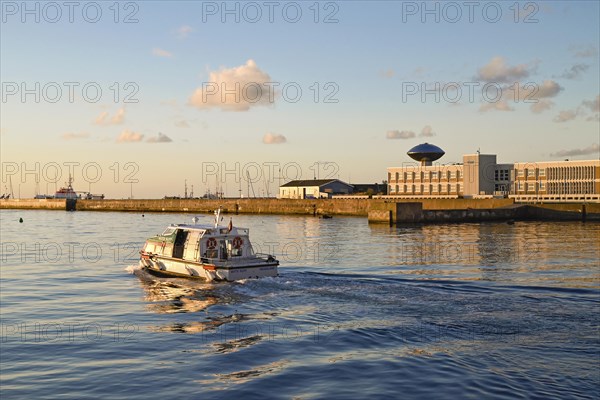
{"x": 425, "y": 189}
{"x": 423, "y": 176}
{"x": 555, "y": 187}
{"x": 556, "y": 173}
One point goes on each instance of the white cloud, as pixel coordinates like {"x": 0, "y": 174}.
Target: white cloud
{"x": 595, "y": 118}
{"x": 104, "y": 119}
{"x": 274, "y": 138}
{"x": 500, "y": 105}
{"x": 541, "y": 106}
{"x": 593, "y": 105}
{"x": 161, "y": 52}
{"x": 584, "y": 51}
{"x": 575, "y": 71}
{"x": 592, "y": 149}
{"x": 498, "y": 71}
{"x": 235, "y": 89}
{"x": 565, "y": 116}
{"x": 159, "y": 139}
{"x": 529, "y": 93}
{"x": 128, "y": 136}
{"x": 395, "y": 134}
{"x": 184, "y": 31}
{"x": 427, "y": 131}
{"x": 548, "y": 88}
{"x": 73, "y": 136}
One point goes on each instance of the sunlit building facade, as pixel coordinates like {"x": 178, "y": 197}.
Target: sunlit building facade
{"x": 480, "y": 176}
{"x": 557, "y": 181}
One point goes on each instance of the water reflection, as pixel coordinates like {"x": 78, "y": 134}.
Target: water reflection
{"x": 524, "y": 252}
{"x": 165, "y": 296}
{"x": 173, "y": 295}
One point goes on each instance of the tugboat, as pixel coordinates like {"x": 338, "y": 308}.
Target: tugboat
{"x": 206, "y": 252}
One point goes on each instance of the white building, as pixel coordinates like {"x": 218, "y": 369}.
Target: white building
{"x": 480, "y": 176}
{"x": 314, "y": 189}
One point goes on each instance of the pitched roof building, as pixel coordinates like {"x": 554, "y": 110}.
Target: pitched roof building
{"x": 313, "y": 189}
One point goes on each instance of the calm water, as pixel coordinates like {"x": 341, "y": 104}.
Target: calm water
{"x": 359, "y": 311}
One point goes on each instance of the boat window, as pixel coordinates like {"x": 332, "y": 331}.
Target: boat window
{"x": 211, "y": 253}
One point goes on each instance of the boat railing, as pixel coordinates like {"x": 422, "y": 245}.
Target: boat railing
{"x": 228, "y": 261}
{"x": 265, "y": 256}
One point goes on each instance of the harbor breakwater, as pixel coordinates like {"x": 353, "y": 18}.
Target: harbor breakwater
{"x": 392, "y": 211}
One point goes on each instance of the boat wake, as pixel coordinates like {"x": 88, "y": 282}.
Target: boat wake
{"x": 132, "y": 269}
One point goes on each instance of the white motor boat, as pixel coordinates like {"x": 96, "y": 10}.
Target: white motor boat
{"x": 207, "y": 252}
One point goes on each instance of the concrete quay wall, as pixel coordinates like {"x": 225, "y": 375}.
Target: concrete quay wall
{"x": 377, "y": 210}
{"x": 34, "y": 204}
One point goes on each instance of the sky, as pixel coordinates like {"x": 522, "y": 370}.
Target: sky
{"x": 141, "y": 98}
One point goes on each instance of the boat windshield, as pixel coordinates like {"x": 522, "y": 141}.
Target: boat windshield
{"x": 168, "y": 232}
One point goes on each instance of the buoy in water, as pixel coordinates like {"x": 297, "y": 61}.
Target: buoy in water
{"x": 21, "y": 220}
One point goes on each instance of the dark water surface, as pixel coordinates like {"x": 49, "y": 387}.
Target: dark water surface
{"x": 359, "y": 311}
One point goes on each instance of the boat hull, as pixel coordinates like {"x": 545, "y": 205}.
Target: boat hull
{"x": 169, "y": 267}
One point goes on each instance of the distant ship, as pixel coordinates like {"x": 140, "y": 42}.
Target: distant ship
{"x": 62, "y": 193}
{"x": 66, "y": 192}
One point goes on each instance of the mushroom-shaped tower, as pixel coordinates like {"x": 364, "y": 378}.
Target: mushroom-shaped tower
{"x": 425, "y": 153}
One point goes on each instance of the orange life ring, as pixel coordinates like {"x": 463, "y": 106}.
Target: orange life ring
{"x": 211, "y": 243}
{"x": 238, "y": 242}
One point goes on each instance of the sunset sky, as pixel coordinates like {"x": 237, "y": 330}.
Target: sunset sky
{"x": 139, "y": 97}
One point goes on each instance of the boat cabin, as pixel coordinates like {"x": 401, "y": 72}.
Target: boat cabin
{"x": 203, "y": 244}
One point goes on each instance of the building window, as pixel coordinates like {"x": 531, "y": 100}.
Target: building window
{"x": 460, "y": 188}
{"x": 452, "y": 174}
{"x": 520, "y": 172}
{"x": 396, "y": 188}
{"x": 457, "y": 174}
{"x": 520, "y": 186}
{"x": 531, "y": 187}
{"x": 434, "y": 175}
{"x": 530, "y": 172}
{"x": 542, "y": 172}
{"x": 452, "y": 188}
{"x": 501, "y": 175}
{"x": 397, "y": 176}
{"x": 542, "y": 186}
